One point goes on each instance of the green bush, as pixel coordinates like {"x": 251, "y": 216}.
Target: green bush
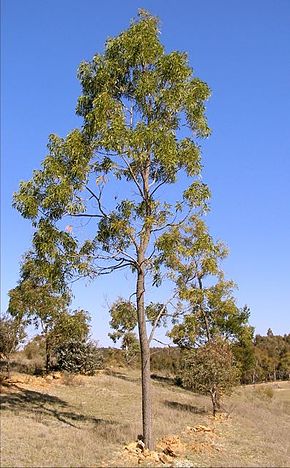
{"x": 78, "y": 357}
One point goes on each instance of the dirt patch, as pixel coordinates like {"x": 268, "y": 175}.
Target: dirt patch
{"x": 171, "y": 450}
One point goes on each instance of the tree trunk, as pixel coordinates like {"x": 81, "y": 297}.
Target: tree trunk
{"x": 215, "y": 399}
{"x": 47, "y": 356}
{"x": 8, "y": 367}
{"x": 145, "y": 361}
{"x": 213, "y": 403}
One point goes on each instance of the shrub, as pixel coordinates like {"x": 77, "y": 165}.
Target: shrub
{"x": 78, "y": 358}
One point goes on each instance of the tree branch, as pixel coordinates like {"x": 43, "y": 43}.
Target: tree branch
{"x": 155, "y": 323}
{"x": 85, "y": 215}
{"x": 98, "y": 201}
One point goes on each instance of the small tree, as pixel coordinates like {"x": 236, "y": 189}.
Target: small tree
{"x": 38, "y": 299}
{"x": 67, "y": 327}
{"x": 124, "y": 321}
{"x": 131, "y": 347}
{"x": 12, "y": 334}
{"x": 209, "y": 307}
{"x": 210, "y": 370}
{"x": 43, "y": 302}
{"x": 211, "y": 318}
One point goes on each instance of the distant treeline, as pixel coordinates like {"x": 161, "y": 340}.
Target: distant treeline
{"x": 266, "y": 358}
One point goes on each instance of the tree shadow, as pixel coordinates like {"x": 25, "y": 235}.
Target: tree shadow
{"x": 120, "y": 375}
{"x": 164, "y": 380}
{"x": 185, "y": 407}
{"x": 42, "y": 406}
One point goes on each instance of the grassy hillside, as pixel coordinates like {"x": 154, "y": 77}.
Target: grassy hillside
{"x": 93, "y": 421}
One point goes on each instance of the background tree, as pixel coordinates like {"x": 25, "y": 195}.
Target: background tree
{"x": 123, "y": 321}
{"x": 210, "y": 369}
{"x": 268, "y": 352}
{"x": 209, "y": 307}
{"x": 211, "y": 321}
{"x": 284, "y": 365}
{"x": 134, "y": 102}
{"x": 43, "y": 303}
{"x": 12, "y": 334}
{"x": 69, "y": 326}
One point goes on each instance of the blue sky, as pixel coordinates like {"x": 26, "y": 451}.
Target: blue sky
{"x": 241, "y": 48}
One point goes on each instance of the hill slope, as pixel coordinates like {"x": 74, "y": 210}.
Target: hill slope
{"x": 93, "y": 421}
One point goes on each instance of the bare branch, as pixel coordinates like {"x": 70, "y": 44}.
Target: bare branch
{"x": 161, "y": 342}
{"x": 98, "y": 198}
{"x": 85, "y": 215}
{"x": 158, "y": 186}
{"x": 155, "y": 323}
{"x": 133, "y": 176}
{"x": 172, "y": 223}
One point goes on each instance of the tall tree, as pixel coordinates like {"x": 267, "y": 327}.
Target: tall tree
{"x": 143, "y": 113}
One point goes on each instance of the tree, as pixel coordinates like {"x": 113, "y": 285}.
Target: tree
{"x": 135, "y": 100}
{"x": 210, "y": 369}
{"x": 39, "y": 301}
{"x": 244, "y": 353}
{"x": 209, "y": 305}
{"x": 211, "y": 321}
{"x": 123, "y": 322}
{"x": 12, "y": 335}
{"x": 67, "y": 326}
{"x": 268, "y": 351}
{"x": 284, "y": 366}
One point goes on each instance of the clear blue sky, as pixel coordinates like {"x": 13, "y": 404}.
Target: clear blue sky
{"x": 241, "y": 48}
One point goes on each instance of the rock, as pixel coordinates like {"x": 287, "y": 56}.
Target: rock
{"x": 56, "y": 375}
{"x": 49, "y": 378}
{"x": 165, "y": 459}
{"x": 169, "y": 451}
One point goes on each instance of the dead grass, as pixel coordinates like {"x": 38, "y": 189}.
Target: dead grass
{"x": 87, "y": 421}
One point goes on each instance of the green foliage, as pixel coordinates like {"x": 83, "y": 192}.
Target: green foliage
{"x": 123, "y": 318}
{"x": 210, "y": 308}
{"x": 12, "y": 334}
{"x": 69, "y": 326}
{"x": 210, "y": 369}
{"x": 130, "y": 345}
{"x": 78, "y": 357}
{"x": 271, "y": 360}
{"x": 40, "y": 300}
{"x": 135, "y": 97}
{"x": 37, "y": 299}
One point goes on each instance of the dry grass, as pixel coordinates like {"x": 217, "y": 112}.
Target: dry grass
{"x": 86, "y": 422}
